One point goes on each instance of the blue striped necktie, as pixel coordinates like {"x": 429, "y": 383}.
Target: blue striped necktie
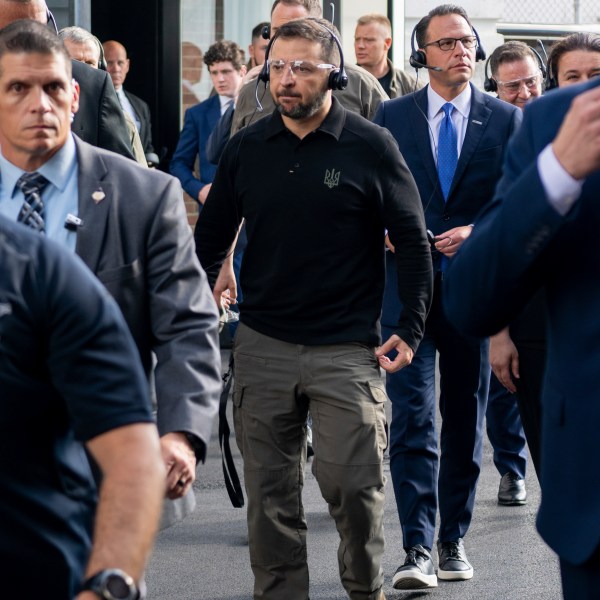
{"x": 32, "y": 212}
{"x": 447, "y": 150}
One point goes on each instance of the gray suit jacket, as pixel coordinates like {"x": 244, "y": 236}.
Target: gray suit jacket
{"x": 136, "y": 239}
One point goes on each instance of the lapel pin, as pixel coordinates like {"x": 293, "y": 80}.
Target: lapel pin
{"x": 477, "y": 122}
{"x": 98, "y": 196}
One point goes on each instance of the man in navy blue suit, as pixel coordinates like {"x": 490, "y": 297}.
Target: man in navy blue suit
{"x": 225, "y": 62}
{"x": 541, "y": 231}
{"x": 471, "y": 131}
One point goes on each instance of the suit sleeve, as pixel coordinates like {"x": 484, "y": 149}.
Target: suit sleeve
{"x": 219, "y": 136}
{"x": 405, "y": 222}
{"x": 501, "y": 264}
{"x": 184, "y": 322}
{"x": 147, "y": 119}
{"x": 221, "y": 216}
{"x": 184, "y": 158}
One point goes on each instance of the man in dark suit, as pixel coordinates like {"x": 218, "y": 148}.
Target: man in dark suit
{"x": 541, "y": 232}
{"x": 127, "y": 224}
{"x": 225, "y": 63}
{"x": 453, "y": 139}
{"x": 99, "y": 120}
{"x": 117, "y": 65}
{"x": 70, "y": 375}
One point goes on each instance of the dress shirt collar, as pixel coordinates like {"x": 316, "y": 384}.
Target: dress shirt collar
{"x": 462, "y": 102}
{"x": 225, "y": 103}
{"x": 333, "y": 124}
{"x": 57, "y": 170}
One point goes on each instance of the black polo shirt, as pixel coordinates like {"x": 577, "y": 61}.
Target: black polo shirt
{"x": 316, "y": 211}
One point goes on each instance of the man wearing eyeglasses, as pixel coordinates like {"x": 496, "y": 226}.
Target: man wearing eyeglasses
{"x": 363, "y": 94}
{"x": 317, "y": 185}
{"x": 453, "y": 138}
{"x": 516, "y": 72}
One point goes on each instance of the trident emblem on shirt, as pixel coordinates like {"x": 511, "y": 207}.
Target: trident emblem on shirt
{"x": 332, "y": 179}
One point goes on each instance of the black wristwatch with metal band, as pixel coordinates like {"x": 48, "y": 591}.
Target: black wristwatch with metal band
{"x": 112, "y": 584}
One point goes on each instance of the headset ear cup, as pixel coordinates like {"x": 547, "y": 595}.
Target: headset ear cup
{"x": 489, "y": 83}
{"x": 265, "y": 72}
{"x": 479, "y": 51}
{"x": 338, "y": 80}
{"x": 417, "y": 59}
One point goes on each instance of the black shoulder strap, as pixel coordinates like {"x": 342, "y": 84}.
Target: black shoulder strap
{"x": 232, "y": 481}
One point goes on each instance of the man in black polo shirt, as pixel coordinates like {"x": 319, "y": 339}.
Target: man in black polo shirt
{"x": 317, "y": 186}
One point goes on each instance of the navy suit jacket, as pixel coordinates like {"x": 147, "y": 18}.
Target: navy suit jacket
{"x": 518, "y": 245}
{"x": 199, "y": 122}
{"x": 491, "y": 123}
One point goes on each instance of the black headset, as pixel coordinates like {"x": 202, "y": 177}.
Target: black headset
{"x": 491, "y": 85}
{"x": 338, "y": 80}
{"x": 102, "y": 60}
{"x": 551, "y": 81}
{"x": 418, "y": 58}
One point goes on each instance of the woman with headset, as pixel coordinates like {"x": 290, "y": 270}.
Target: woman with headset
{"x": 573, "y": 59}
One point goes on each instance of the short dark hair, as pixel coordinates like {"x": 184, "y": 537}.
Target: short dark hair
{"x": 576, "y": 41}
{"x": 313, "y": 7}
{"x": 257, "y": 31}
{"x": 439, "y": 11}
{"x": 315, "y": 30}
{"x": 511, "y": 52}
{"x": 31, "y": 37}
{"x": 225, "y": 51}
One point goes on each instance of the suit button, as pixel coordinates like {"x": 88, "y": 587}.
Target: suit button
{"x": 445, "y": 217}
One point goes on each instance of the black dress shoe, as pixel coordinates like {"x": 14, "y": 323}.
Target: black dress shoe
{"x": 512, "y": 490}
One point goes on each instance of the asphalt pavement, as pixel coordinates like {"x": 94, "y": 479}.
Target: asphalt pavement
{"x": 205, "y": 557}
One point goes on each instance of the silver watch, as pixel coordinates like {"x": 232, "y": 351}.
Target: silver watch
{"x": 112, "y": 584}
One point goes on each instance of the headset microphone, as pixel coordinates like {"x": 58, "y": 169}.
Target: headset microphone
{"x": 418, "y": 65}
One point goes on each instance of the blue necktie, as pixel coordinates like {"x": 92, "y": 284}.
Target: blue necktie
{"x": 32, "y": 212}
{"x": 447, "y": 150}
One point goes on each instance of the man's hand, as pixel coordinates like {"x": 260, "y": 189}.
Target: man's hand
{"x": 389, "y": 244}
{"x": 180, "y": 460}
{"x": 577, "y": 144}
{"x": 252, "y": 74}
{"x": 403, "y": 358}
{"x": 450, "y": 241}
{"x": 504, "y": 359}
{"x": 225, "y": 283}
{"x": 203, "y": 193}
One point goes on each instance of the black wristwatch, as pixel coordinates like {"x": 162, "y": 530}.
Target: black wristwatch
{"x": 112, "y": 584}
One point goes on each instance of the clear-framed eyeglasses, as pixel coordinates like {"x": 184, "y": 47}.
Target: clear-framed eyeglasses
{"x": 298, "y": 68}
{"x": 447, "y": 44}
{"x": 512, "y": 87}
